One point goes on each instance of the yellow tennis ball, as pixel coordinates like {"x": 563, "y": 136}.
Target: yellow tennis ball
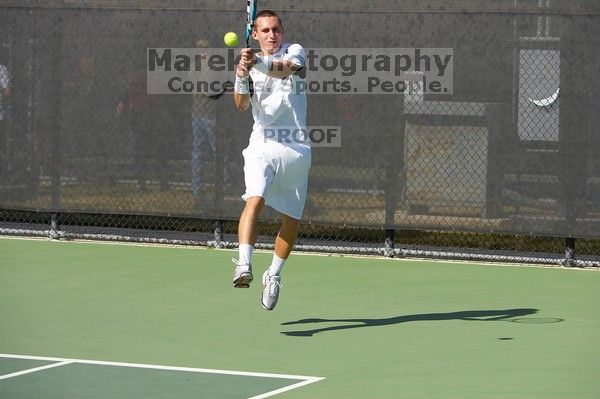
{"x": 230, "y": 39}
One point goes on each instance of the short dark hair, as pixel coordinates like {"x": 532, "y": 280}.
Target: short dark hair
{"x": 269, "y": 13}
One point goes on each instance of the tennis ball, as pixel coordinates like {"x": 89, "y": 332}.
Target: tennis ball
{"x": 230, "y": 39}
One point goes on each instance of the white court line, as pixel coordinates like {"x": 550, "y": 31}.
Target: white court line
{"x": 288, "y": 388}
{"x": 33, "y": 370}
{"x": 305, "y": 380}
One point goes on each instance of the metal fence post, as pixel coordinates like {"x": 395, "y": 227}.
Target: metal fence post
{"x": 55, "y": 123}
{"x": 570, "y": 260}
{"x": 218, "y": 233}
{"x": 388, "y": 249}
{"x": 55, "y": 226}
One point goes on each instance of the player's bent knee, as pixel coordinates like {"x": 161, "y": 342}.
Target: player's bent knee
{"x": 290, "y": 221}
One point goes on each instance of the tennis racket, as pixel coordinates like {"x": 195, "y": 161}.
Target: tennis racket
{"x": 250, "y": 19}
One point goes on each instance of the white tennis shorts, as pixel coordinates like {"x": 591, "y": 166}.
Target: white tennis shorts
{"x": 279, "y": 174}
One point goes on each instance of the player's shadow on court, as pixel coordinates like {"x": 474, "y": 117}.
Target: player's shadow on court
{"x": 468, "y": 315}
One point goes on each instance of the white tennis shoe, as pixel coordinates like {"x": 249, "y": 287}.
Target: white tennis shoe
{"x": 242, "y": 275}
{"x": 270, "y": 292}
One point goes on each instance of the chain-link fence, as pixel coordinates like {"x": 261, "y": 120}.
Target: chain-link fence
{"x": 504, "y": 166}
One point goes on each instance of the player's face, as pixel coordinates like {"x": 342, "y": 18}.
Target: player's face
{"x": 269, "y": 34}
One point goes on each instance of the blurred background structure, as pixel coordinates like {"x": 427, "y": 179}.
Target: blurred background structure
{"x": 506, "y": 167}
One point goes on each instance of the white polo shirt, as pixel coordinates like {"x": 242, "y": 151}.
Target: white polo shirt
{"x": 279, "y": 103}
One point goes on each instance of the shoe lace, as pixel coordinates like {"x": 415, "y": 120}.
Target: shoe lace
{"x": 237, "y": 262}
{"x": 274, "y": 285}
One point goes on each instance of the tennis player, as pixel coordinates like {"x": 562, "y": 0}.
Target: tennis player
{"x": 276, "y": 164}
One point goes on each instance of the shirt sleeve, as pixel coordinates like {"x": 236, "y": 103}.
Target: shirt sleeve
{"x": 295, "y": 53}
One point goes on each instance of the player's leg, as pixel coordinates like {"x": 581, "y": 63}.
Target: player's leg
{"x": 286, "y": 238}
{"x": 248, "y": 220}
{"x": 158, "y": 144}
{"x": 242, "y": 276}
{"x": 288, "y": 195}
{"x": 139, "y": 128}
{"x": 258, "y": 176}
{"x": 198, "y": 139}
{"x": 284, "y": 243}
{"x": 3, "y": 148}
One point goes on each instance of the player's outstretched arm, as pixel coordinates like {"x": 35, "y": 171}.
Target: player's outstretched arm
{"x": 242, "y": 101}
{"x": 277, "y": 69}
{"x": 283, "y": 69}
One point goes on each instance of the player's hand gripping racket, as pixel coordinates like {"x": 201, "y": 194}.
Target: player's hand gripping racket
{"x": 250, "y": 19}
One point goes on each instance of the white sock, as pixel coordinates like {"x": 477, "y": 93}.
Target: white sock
{"x": 276, "y": 265}
{"x": 245, "y": 254}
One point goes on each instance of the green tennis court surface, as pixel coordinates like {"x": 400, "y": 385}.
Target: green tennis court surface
{"x": 164, "y": 322}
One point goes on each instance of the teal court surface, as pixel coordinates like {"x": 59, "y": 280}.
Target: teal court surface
{"x": 45, "y": 377}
